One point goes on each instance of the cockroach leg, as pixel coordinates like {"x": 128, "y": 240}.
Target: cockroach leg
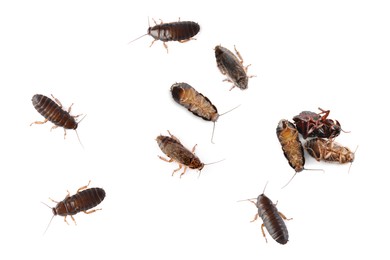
{"x": 164, "y": 159}
{"x": 66, "y": 220}
{"x": 73, "y": 220}
{"x": 262, "y": 230}
{"x": 283, "y": 216}
{"x": 53, "y": 200}
{"x": 84, "y": 187}
{"x": 57, "y": 101}
{"x": 239, "y": 55}
{"x": 178, "y": 169}
{"x": 256, "y": 216}
{"x": 91, "y": 211}
{"x": 185, "y": 169}
{"x": 193, "y": 149}
{"x": 39, "y": 122}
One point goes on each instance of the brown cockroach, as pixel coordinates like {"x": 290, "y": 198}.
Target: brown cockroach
{"x": 232, "y": 67}
{"x": 83, "y": 200}
{"x": 172, "y": 147}
{"x": 195, "y": 102}
{"x": 272, "y": 219}
{"x": 291, "y": 145}
{"x": 181, "y": 31}
{"x": 328, "y": 150}
{"x": 52, "y": 111}
{"x": 310, "y": 124}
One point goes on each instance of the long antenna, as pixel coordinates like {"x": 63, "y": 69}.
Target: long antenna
{"x": 50, "y": 219}
{"x": 296, "y": 174}
{"x": 138, "y": 38}
{"x": 78, "y": 133}
{"x": 212, "y": 134}
{"x": 141, "y": 35}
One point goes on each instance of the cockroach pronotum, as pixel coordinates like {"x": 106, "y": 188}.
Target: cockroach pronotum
{"x": 172, "y": 147}
{"x": 52, "y": 111}
{"x": 181, "y": 31}
{"x": 232, "y": 67}
{"x": 83, "y": 200}
{"x": 328, "y": 150}
{"x": 310, "y": 124}
{"x": 291, "y": 145}
{"x": 272, "y": 219}
{"x": 196, "y": 103}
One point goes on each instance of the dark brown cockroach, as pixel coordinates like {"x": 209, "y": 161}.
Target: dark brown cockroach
{"x": 291, "y": 145}
{"x": 232, "y": 67}
{"x": 328, "y": 150}
{"x": 172, "y": 147}
{"x": 52, "y": 111}
{"x": 196, "y": 103}
{"x": 180, "y": 31}
{"x": 272, "y": 219}
{"x": 83, "y": 200}
{"x": 310, "y": 124}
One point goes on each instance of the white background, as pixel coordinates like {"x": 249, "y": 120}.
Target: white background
{"x": 305, "y": 54}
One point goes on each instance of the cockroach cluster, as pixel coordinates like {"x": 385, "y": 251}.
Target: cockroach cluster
{"x": 318, "y": 131}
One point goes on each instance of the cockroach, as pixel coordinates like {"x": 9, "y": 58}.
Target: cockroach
{"x": 310, "y": 124}
{"x": 328, "y": 150}
{"x": 232, "y": 67}
{"x": 273, "y": 220}
{"x": 291, "y": 145}
{"x": 52, "y": 111}
{"x": 195, "y": 102}
{"x": 83, "y": 200}
{"x": 181, "y": 31}
{"x": 172, "y": 147}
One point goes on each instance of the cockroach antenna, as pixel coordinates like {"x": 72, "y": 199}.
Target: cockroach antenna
{"x": 200, "y": 171}
{"x": 50, "y": 219}
{"x": 78, "y": 133}
{"x": 297, "y": 172}
{"x": 354, "y": 158}
{"x": 212, "y": 134}
{"x": 141, "y": 35}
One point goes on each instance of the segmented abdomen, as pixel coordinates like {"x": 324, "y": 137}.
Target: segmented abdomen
{"x": 291, "y": 145}
{"x": 84, "y": 200}
{"x": 194, "y": 101}
{"x": 177, "y": 31}
{"x": 273, "y": 222}
{"x": 53, "y": 112}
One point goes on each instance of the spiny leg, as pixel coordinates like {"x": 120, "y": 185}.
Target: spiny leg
{"x": 180, "y": 166}
{"x": 255, "y": 218}
{"x": 84, "y": 187}
{"x": 283, "y": 216}
{"x": 174, "y": 137}
{"x": 57, "y": 101}
{"x": 166, "y": 46}
{"x": 64, "y": 133}
{"x": 193, "y": 149}
{"x": 70, "y": 108}
{"x": 239, "y": 55}
{"x": 66, "y": 220}
{"x": 152, "y": 42}
{"x": 164, "y": 159}
{"x": 262, "y": 230}
{"x": 73, "y": 220}
{"x": 54, "y": 127}
{"x": 185, "y": 169}
{"x": 91, "y": 211}
{"x": 39, "y": 122}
